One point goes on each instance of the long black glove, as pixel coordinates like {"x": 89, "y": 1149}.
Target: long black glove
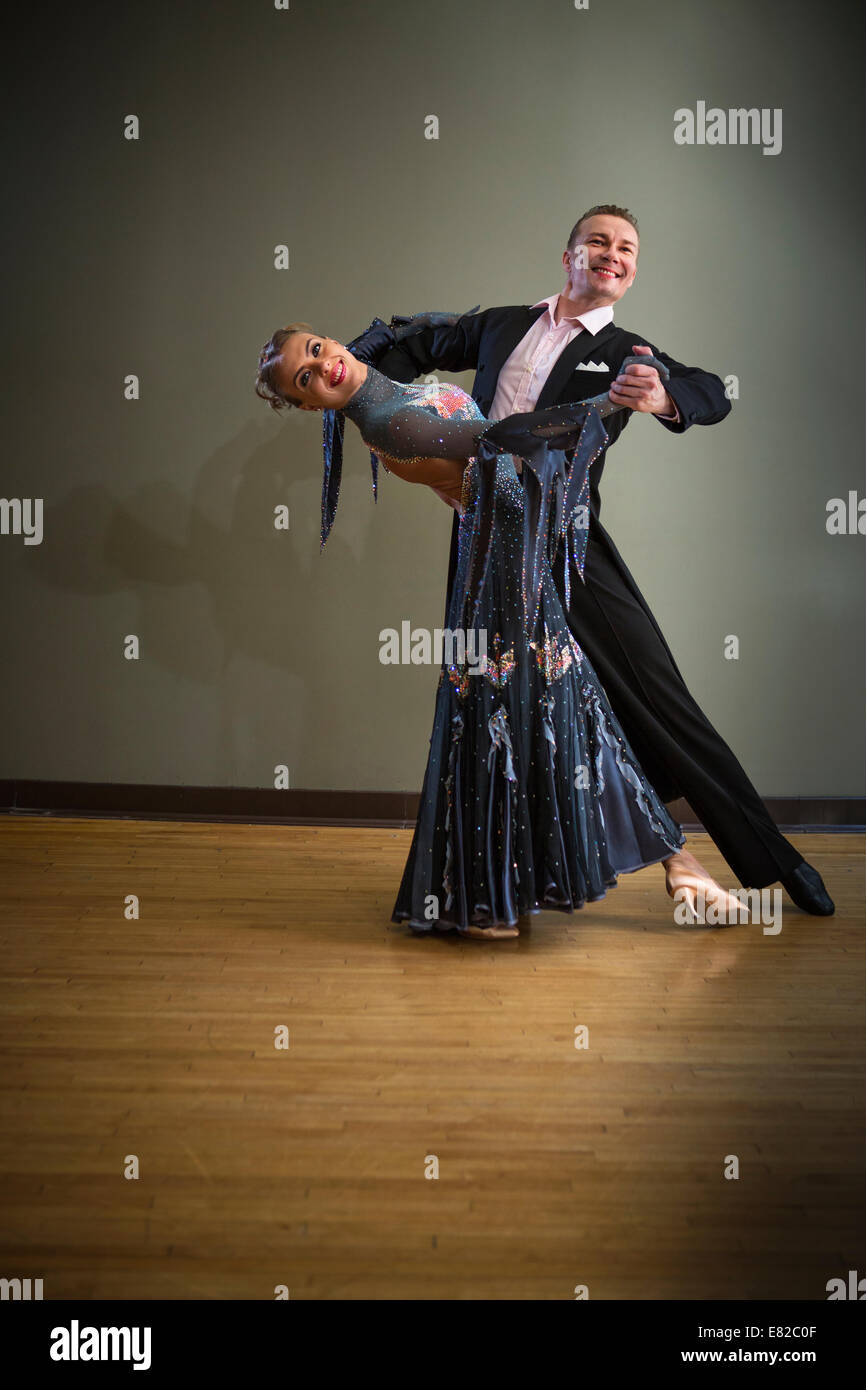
{"x": 380, "y": 337}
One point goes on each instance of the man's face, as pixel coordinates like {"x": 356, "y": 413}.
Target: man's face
{"x": 609, "y": 247}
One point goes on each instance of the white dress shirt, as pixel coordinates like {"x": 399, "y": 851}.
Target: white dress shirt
{"x": 524, "y": 373}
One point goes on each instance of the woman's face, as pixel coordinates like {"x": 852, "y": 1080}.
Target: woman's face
{"x": 319, "y": 372}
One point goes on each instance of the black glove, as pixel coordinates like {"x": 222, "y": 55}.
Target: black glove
{"x": 369, "y": 347}
{"x": 405, "y": 325}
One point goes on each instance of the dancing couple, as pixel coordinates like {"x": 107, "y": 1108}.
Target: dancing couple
{"x": 550, "y": 763}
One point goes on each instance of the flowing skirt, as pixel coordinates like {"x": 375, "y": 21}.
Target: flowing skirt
{"x": 532, "y": 798}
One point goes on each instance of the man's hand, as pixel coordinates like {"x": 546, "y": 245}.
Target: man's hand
{"x": 640, "y": 388}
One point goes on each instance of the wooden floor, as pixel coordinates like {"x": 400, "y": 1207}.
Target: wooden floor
{"x": 305, "y": 1167}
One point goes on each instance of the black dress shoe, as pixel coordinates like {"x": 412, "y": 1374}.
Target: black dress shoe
{"x": 806, "y": 887}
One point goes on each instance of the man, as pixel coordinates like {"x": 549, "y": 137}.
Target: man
{"x": 567, "y": 348}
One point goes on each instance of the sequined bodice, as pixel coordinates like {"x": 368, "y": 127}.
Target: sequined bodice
{"x": 378, "y": 398}
{"x": 407, "y": 421}
{"x": 405, "y": 426}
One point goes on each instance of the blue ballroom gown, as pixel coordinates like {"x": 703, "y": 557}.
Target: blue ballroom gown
{"x": 532, "y": 798}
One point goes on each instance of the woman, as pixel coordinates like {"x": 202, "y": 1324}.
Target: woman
{"x": 532, "y": 798}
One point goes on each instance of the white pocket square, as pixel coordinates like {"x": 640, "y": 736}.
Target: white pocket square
{"x": 593, "y": 367}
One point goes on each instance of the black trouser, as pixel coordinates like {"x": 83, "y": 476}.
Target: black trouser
{"x": 680, "y": 751}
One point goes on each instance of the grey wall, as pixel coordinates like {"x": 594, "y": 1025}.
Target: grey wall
{"x": 306, "y": 126}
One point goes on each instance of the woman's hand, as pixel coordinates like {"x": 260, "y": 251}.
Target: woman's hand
{"x": 640, "y": 388}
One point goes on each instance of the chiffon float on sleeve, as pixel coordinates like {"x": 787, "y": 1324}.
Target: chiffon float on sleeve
{"x": 532, "y": 798}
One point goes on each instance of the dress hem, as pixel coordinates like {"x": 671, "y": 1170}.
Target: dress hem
{"x": 443, "y": 924}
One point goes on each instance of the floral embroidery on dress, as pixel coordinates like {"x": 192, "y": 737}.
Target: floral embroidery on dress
{"x": 500, "y": 665}
{"x": 555, "y": 656}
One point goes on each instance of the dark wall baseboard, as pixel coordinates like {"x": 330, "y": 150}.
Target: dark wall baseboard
{"x": 311, "y": 807}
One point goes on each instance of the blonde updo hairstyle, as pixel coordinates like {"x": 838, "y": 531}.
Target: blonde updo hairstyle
{"x": 266, "y": 386}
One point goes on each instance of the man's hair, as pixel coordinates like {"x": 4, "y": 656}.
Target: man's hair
{"x": 611, "y": 210}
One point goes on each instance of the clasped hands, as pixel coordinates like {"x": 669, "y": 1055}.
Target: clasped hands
{"x": 641, "y": 388}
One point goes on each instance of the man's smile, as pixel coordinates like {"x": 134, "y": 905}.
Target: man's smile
{"x": 606, "y": 272}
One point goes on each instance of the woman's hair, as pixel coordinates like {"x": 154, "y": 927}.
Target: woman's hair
{"x": 266, "y": 386}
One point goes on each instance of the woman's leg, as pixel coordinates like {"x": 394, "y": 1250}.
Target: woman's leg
{"x": 499, "y": 932}
{"x": 686, "y": 879}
